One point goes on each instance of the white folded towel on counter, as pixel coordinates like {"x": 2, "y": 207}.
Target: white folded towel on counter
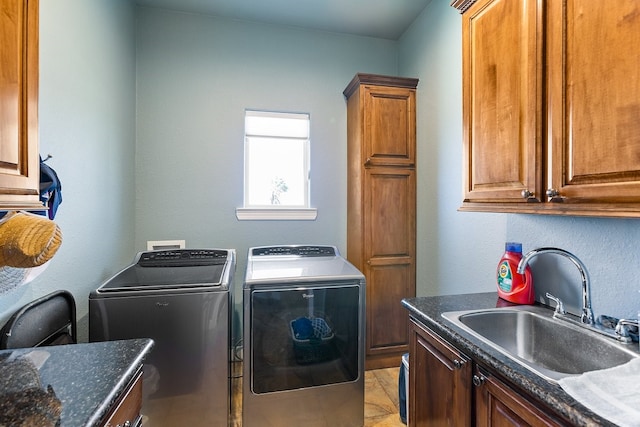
{"x": 612, "y": 393}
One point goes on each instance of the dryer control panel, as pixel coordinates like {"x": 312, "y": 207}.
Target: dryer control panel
{"x": 303, "y": 251}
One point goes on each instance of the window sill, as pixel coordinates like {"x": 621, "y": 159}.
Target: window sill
{"x": 298, "y": 214}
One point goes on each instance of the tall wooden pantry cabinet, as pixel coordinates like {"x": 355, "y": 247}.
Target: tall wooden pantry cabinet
{"x": 381, "y": 206}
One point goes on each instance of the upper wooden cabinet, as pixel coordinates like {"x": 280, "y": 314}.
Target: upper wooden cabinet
{"x": 551, "y": 104}
{"x": 593, "y": 111}
{"x": 502, "y": 97}
{"x": 19, "y": 162}
{"x": 381, "y": 206}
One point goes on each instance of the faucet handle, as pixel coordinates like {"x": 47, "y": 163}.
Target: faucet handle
{"x": 623, "y": 328}
{"x": 559, "y": 305}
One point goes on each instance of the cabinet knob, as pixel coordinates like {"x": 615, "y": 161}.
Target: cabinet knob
{"x": 458, "y": 364}
{"x": 478, "y": 380}
{"x": 368, "y": 161}
{"x": 552, "y": 192}
{"x": 526, "y": 194}
{"x": 554, "y": 195}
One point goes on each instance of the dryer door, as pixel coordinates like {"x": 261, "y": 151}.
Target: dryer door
{"x": 304, "y": 336}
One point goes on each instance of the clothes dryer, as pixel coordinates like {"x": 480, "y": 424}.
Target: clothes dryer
{"x": 303, "y": 327}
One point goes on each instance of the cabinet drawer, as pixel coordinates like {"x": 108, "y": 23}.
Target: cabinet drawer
{"x": 128, "y": 407}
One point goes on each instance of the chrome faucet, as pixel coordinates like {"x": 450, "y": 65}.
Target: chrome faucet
{"x": 587, "y": 312}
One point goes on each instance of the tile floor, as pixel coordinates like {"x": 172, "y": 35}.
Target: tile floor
{"x": 380, "y": 398}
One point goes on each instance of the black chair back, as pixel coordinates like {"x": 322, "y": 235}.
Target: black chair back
{"x": 50, "y": 320}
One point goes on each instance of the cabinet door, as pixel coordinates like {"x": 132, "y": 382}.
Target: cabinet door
{"x": 390, "y": 256}
{"x": 594, "y": 100}
{"x": 389, "y": 126}
{"x": 499, "y": 405}
{"x": 439, "y": 382}
{"x": 19, "y": 164}
{"x": 502, "y": 100}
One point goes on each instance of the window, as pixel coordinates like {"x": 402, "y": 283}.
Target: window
{"x": 276, "y": 166}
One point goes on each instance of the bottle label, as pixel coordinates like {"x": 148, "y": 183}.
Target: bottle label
{"x": 505, "y": 277}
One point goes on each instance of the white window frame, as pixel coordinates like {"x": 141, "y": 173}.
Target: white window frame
{"x": 276, "y": 212}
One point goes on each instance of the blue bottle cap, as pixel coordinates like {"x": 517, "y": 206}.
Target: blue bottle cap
{"x": 513, "y": 247}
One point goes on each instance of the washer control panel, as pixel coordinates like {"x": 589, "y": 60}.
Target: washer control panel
{"x": 182, "y": 257}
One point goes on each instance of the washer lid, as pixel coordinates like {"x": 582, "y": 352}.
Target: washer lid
{"x": 171, "y": 269}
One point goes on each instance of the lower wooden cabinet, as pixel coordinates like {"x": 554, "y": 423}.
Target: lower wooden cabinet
{"x": 439, "y": 381}
{"x": 497, "y": 404}
{"x": 446, "y": 388}
{"x": 126, "y": 412}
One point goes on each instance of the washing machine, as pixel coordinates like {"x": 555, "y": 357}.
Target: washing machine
{"x": 183, "y": 300}
{"x": 303, "y": 323}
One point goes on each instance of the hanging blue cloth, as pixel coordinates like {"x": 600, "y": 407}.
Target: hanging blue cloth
{"x": 50, "y": 189}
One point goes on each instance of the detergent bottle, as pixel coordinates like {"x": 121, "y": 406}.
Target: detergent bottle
{"x": 514, "y": 287}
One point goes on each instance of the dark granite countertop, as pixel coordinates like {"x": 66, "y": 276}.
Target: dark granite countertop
{"x": 75, "y": 385}
{"x": 428, "y": 310}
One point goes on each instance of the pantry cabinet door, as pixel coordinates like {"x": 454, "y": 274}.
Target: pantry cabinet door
{"x": 390, "y": 257}
{"x": 594, "y": 101}
{"x": 502, "y": 76}
{"x": 389, "y": 126}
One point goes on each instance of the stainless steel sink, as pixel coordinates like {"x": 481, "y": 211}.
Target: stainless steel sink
{"x": 547, "y": 346}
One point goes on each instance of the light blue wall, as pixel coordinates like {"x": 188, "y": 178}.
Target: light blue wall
{"x": 458, "y": 252}
{"x": 196, "y": 75}
{"x": 87, "y": 123}
{"x": 455, "y": 251}
{"x": 180, "y": 177}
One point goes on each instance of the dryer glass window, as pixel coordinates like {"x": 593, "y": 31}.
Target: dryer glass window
{"x": 304, "y": 337}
